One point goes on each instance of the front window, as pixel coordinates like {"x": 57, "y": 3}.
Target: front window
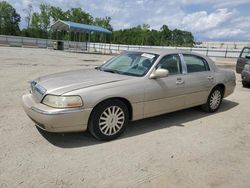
{"x": 172, "y": 63}
{"x": 130, "y": 63}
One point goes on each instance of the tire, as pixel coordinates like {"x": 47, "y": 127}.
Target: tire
{"x": 214, "y": 100}
{"x": 108, "y": 120}
{"x": 245, "y": 84}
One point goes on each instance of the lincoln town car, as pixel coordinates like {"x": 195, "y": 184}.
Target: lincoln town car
{"x": 130, "y": 86}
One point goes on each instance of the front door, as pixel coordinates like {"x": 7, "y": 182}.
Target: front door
{"x": 164, "y": 95}
{"x": 244, "y": 57}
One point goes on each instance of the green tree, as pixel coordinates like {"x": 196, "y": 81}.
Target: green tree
{"x": 44, "y": 16}
{"x": 40, "y": 23}
{"x": 166, "y": 35}
{"x": 9, "y": 19}
{"x": 79, "y": 16}
{"x": 57, "y": 14}
{"x": 142, "y": 35}
{"x": 182, "y": 38}
{"x": 104, "y": 22}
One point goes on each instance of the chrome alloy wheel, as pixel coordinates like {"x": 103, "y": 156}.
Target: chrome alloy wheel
{"x": 111, "y": 120}
{"x": 215, "y": 99}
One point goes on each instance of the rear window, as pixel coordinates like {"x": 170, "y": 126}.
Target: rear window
{"x": 195, "y": 63}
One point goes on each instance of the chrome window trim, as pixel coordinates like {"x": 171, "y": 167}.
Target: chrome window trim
{"x": 183, "y": 64}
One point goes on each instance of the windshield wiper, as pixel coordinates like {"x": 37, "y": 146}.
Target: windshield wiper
{"x": 111, "y": 71}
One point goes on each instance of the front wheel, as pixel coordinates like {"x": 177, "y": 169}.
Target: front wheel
{"x": 109, "y": 120}
{"x": 214, "y": 100}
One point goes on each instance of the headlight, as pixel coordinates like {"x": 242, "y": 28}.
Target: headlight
{"x": 247, "y": 67}
{"x": 63, "y": 101}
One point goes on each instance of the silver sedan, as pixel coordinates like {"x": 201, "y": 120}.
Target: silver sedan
{"x": 131, "y": 86}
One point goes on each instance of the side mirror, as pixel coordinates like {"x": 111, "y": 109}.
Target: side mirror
{"x": 159, "y": 73}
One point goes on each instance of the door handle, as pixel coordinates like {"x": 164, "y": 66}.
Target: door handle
{"x": 179, "y": 81}
{"x": 210, "y": 78}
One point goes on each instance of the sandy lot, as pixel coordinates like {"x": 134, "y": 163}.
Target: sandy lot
{"x": 188, "y": 148}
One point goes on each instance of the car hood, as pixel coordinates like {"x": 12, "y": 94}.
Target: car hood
{"x": 64, "y": 82}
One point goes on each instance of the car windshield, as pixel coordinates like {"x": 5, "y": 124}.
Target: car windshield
{"x": 130, "y": 63}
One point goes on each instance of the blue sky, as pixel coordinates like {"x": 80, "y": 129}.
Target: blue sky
{"x": 223, "y": 20}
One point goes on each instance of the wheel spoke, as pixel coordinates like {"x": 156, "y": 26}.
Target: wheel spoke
{"x": 113, "y": 128}
{"x": 122, "y": 117}
{"x": 105, "y": 113}
{"x": 117, "y": 126}
{"x": 103, "y": 123}
{"x": 104, "y": 127}
{"x": 103, "y": 118}
{"x": 110, "y": 130}
{"x": 120, "y": 121}
{"x": 106, "y": 131}
{"x": 117, "y": 110}
{"x": 113, "y": 109}
{"x": 121, "y": 113}
{"x": 109, "y": 111}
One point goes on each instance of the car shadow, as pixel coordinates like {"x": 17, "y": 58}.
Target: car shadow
{"x": 82, "y": 139}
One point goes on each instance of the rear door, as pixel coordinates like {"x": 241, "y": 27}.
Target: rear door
{"x": 244, "y": 57}
{"x": 198, "y": 80}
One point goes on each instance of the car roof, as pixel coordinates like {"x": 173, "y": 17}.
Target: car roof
{"x": 162, "y": 51}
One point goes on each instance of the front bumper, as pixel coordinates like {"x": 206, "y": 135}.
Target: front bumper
{"x": 245, "y": 75}
{"x": 55, "y": 120}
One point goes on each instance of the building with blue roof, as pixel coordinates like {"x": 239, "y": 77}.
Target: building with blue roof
{"x": 77, "y": 34}
{"x": 61, "y": 25}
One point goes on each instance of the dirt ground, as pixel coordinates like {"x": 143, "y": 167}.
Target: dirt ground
{"x": 189, "y": 148}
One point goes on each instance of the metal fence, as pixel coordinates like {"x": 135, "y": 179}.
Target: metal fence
{"x": 16, "y": 41}
{"x": 117, "y": 48}
{"x": 106, "y": 48}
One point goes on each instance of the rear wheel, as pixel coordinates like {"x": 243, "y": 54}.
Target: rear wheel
{"x": 109, "y": 120}
{"x": 214, "y": 100}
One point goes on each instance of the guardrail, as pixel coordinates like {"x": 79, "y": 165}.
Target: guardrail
{"x": 106, "y": 48}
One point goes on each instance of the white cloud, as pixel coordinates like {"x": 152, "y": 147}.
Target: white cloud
{"x": 216, "y": 3}
{"x": 202, "y": 21}
{"x": 224, "y": 33}
{"x": 228, "y": 3}
{"x": 221, "y": 24}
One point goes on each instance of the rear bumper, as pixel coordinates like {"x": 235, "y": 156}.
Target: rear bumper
{"x": 55, "y": 120}
{"x": 229, "y": 89}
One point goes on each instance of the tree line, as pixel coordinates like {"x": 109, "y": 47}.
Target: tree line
{"x": 38, "y": 26}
